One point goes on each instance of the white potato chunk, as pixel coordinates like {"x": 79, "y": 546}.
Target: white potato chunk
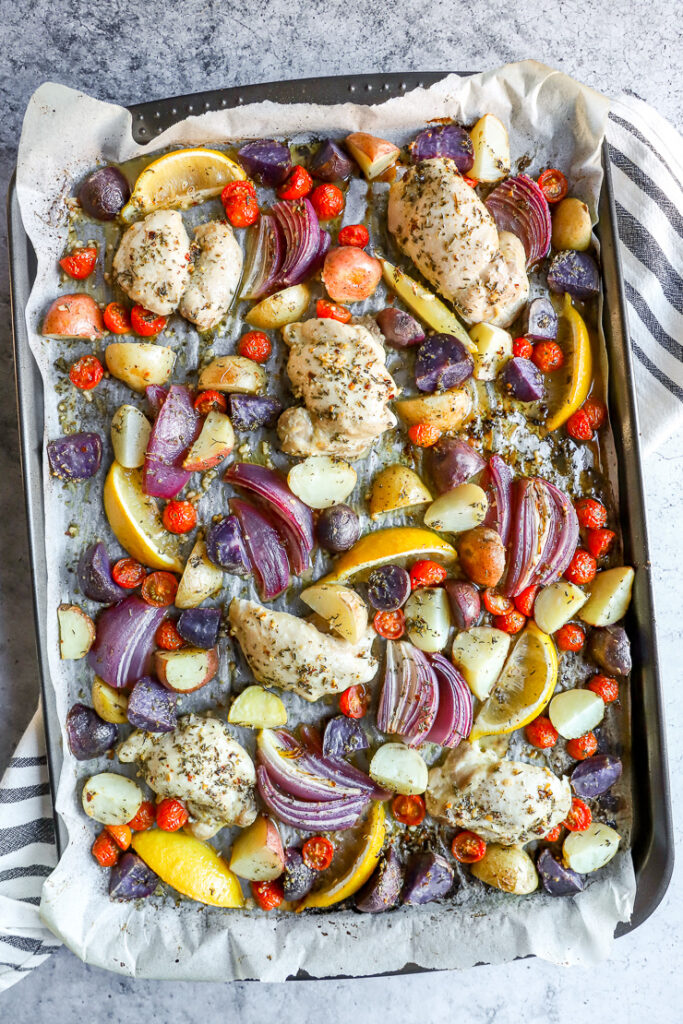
{"x": 200, "y": 579}
{"x": 557, "y": 604}
{"x": 592, "y": 849}
{"x": 610, "y": 596}
{"x": 576, "y": 712}
{"x": 343, "y": 609}
{"x": 508, "y": 868}
{"x": 236, "y": 375}
{"x": 130, "y": 430}
{"x": 373, "y": 155}
{"x": 458, "y": 510}
{"x": 284, "y": 307}
{"x": 480, "y": 654}
{"x": 139, "y": 363}
{"x": 215, "y": 442}
{"x": 493, "y": 349}
{"x": 111, "y": 799}
{"x": 110, "y": 704}
{"x": 76, "y": 632}
{"x": 257, "y": 853}
{"x": 428, "y": 618}
{"x": 400, "y": 769}
{"x": 256, "y": 708}
{"x": 396, "y": 487}
{"x": 491, "y": 149}
{"x": 322, "y": 481}
{"x": 186, "y": 670}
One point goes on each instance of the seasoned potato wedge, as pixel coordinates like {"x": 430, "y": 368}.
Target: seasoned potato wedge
{"x": 493, "y": 349}
{"x": 110, "y": 704}
{"x": 139, "y": 363}
{"x": 396, "y": 487}
{"x": 508, "y": 868}
{"x": 341, "y": 607}
{"x": 491, "y": 149}
{"x": 73, "y": 316}
{"x": 200, "y": 579}
{"x": 215, "y": 442}
{"x": 235, "y": 374}
{"x": 428, "y": 618}
{"x": 576, "y": 712}
{"x": 461, "y": 509}
{"x": 480, "y": 654}
{"x": 257, "y": 853}
{"x": 130, "y": 430}
{"x": 374, "y": 156}
{"x": 111, "y": 799}
{"x": 399, "y": 768}
{"x": 76, "y": 632}
{"x": 610, "y": 596}
{"x": 446, "y": 410}
{"x": 256, "y": 708}
{"x": 322, "y": 481}
{"x": 587, "y": 851}
{"x": 284, "y": 307}
{"x": 186, "y": 670}
{"x": 556, "y": 604}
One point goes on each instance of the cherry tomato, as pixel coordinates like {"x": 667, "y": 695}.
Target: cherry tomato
{"x": 408, "y": 810}
{"x": 605, "y": 687}
{"x": 328, "y": 201}
{"x": 145, "y": 817}
{"x": 210, "y": 401}
{"x": 468, "y": 847}
{"x": 326, "y": 310}
{"x": 525, "y": 601}
{"x": 86, "y": 373}
{"x": 599, "y": 542}
{"x": 582, "y": 568}
{"x": 238, "y": 189}
{"x": 354, "y": 234}
{"x": 117, "y": 318}
{"x": 511, "y": 622}
{"x": 354, "y": 702}
{"x": 145, "y": 323}
{"x": 239, "y": 203}
{"x": 582, "y": 747}
{"x": 121, "y": 835}
{"x": 159, "y": 589}
{"x": 579, "y": 426}
{"x": 541, "y": 733}
{"x": 80, "y": 263}
{"x": 522, "y": 348}
{"x": 128, "y": 573}
{"x": 547, "y": 356}
{"x": 255, "y": 345}
{"x": 596, "y": 411}
{"x": 167, "y": 636}
{"x": 472, "y": 182}
{"x": 268, "y": 895}
{"x": 179, "y": 516}
{"x": 579, "y": 818}
{"x": 570, "y": 637}
{"x": 554, "y": 834}
{"x": 426, "y": 573}
{"x": 298, "y": 184}
{"x": 590, "y": 513}
{"x": 553, "y": 185}
{"x": 317, "y": 853}
{"x": 104, "y": 850}
{"x": 390, "y": 625}
{"x": 171, "y": 815}
{"x": 424, "y": 435}
{"x": 496, "y": 603}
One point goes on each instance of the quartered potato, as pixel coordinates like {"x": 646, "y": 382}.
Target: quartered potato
{"x": 111, "y": 799}
{"x": 446, "y": 410}
{"x": 400, "y": 769}
{"x": 110, "y": 704}
{"x": 428, "y": 618}
{"x": 491, "y": 149}
{"x": 508, "y": 868}
{"x": 461, "y": 509}
{"x": 322, "y": 481}
{"x": 592, "y": 849}
{"x": 396, "y": 487}
{"x": 130, "y": 432}
{"x": 234, "y": 374}
{"x": 610, "y": 596}
{"x": 200, "y": 579}
{"x": 342, "y": 608}
{"x": 139, "y": 363}
{"x": 256, "y": 708}
{"x": 284, "y": 307}
{"x": 493, "y": 349}
{"x": 556, "y": 604}
{"x": 76, "y": 632}
{"x": 480, "y": 654}
{"x": 576, "y": 712}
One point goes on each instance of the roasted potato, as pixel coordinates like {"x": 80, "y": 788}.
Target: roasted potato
{"x": 284, "y": 307}
{"x": 73, "y": 316}
{"x": 139, "y": 363}
{"x": 446, "y": 410}
{"x": 482, "y": 555}
{"x": 508, "y": 868}
{"x": 234, "y": 374}
{"x": 396, "y": 487}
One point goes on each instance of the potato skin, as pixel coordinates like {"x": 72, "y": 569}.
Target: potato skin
{"x": 571, "y": 225}
{"x": 507, "y": 868}
{"x": 482, "y": 555}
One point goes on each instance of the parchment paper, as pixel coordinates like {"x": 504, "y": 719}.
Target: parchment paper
{"x": 552, "y": 120}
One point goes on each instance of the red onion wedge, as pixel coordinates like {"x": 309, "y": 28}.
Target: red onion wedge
{"x": 156, "y": 396}
{"x": 301, "y": 230}
{"x": 519, "y": 206}
{"x": 567, "y": 537}
{"x": 124, "y": 644}
{"x": 266, "y": 555}
{"x": 410, "y": 696}
{"x": 264, "y": 256}
{"x": 175, "y": 428}
{"x": 309, "y": 815}
{"x": 454, "y": 715}
{"x": 304, "y": 772}
{"x": 544, "y": 536}
{"x": 497, "y": 482}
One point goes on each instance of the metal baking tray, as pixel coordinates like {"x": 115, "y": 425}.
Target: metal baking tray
{"x": 652, "y": 846}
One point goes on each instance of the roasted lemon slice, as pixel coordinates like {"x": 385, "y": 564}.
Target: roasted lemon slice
{"x": 180, "y": 179}
{"x": 357, "y": 874}
{"x": 425, "y": 304}
{"x": 189, "y": 866}
{"x": 384, "y": 546}
{"x": 524, "y": 686}
{"x": 135, "y": 519}
{"x": 580, "y": 363}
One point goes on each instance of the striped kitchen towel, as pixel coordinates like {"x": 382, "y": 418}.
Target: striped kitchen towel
{"x": 647, "y": 166}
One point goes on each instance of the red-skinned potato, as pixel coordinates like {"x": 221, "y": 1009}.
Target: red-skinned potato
{"x": 350, "y": 274}
{"x": 215, "y": 442}
{"x": 482, "y": 555}
{"x": 372, "y": 155}
{"x": 257, "y": 853}
{"x": 186, "y": 670}
{"x": 73, "y": 316}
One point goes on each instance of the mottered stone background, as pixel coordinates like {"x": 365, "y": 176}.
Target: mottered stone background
{"x": 130, "y": 52}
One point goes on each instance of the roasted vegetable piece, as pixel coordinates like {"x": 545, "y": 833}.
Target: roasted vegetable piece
{"x": 572, "y": 226}
{"x": 429, "y": 876}
{"x": 382, "y": 891}
{"x": 388, "y": 587}
{"x": 343, "y": 736}
{"x": 557, "y": 880}
{"x": 248, "y": 412}
{"x": 576, "y": 273}
{"x": 482, "y": 555}
{"x": 75, "y": 456}
{"x": 611, "y": 649}
{"x": 591, "y": 849}
{"x": 131, "y": 879}
{"x": 122, "y": 652}
{"x": 338, "y": 528}
{"x": 266, "y": 160}
{"x": 199, "y": 626}
{"x": 331, "y": 163}
{"x": 225, "y": 546}
{"x": 442, "y": 363}
{"x": 594, "y": 776}
{"x": 400, "y": 329}
{"x": 523, "y": 380}
{"x": 94, "y": 575}
{"x": 507, "y": 868}
{"x": 298, "y": 879}
{"x": 540, "y": 322}
{"x": 152, "y": 707}
{"x": 89, "y": 735}
{"x": 465, "y": 603}
{"x": 104, "y": 193}
{"x": 447, "y": 140}
{"x": 73, "y": 316}
{"x": 452, "y": 462}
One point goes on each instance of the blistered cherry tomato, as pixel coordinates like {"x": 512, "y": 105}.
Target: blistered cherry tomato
{"x": 522, "y": 348}
{"x": 553, "y": 185}
{"x": 525, "y": 601}
{"x": 424, "y": 435}
{"x": 328, "y": 201}
{"x": 145, "y": 817}
{"x": 472, "y": 182}
{"x": 128, "y": 573}
{"x": 468, "y": 847}
{"x": 590, "y": 513}
{"x": 541, "y": 733}
{"x": 268, "y": 895}
{"x": 240, "y": 204}
{"x": 145, "y": 323}
{"x": 354, "y": 234}
{"x": 121, "y": 835}
{"x": 317, "y": 853}
{"x": 179, "y": 516}
{"x": 581, "y": 569}
{"x": 104, "y": 850}
{"x": 596, "y": 411}
{"x": 167, "y": 636}
{"x": 554, "y": 834}
{"x": 390, "y": 625}
{"x": 80, "y": 263}
{"x": 511, "y": 622}
{"x": 354, "y": 702}
{"x": 579, "y": 426}
{"x": 579, "y": 817}
{"x": 582, "y": 747}
{"x": 117, "y": 318}
{"x": 326, "y": 310}
{"x": 426, "y": 573}
{"x": 171, "y": 815}
{"x": 547, "y": 356}
{"x": 606, "y": 687}
{"x": 210, "y": 401}
{"x": 159, "y": 589}
{"x": 255, "y": 345}
{"x": 298, "y": 184}
{"x": 570, "y": 637}
{"x": 408, "y": 810}
{"x": 496, "y": 603}
{"x": 86, "y": 373}
{"x": 599, "y": 542}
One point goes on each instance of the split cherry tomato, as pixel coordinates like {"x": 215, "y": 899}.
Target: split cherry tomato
{"x": 525, "y": 601}
{"x": 596, "y": 411}
{"x": 298, "y": 184}
{"x": 579, "y": 426}
{"x": 424, "y": 435}
{"x": 238, "y": 189}
{"x": 104, "y": 850}
{"x": 117, "y": 318}
{"x": 496, "y": 603}
{"x": 145, "y": 323}
{"x": 582, "y": 747}
{"x": 522, "y": 348}
{"x": 167, "y": 636}
{"x": 128, "y": 573}
{"x": 317, "y": 853}
{"x": 408, "y": 810}
{"x": 390, "y": 625}
{"x": 599, "y": 542}
{"x": 553, "y": 185}
{"x": 426, "y": 573}
{"x": 268, "y": 895}
{"x": 159, "y": 589}
{"x": 121, "y": 835}
{"x": 86, "y": 373}
{"x": 354, "y": 702}
{"x": 326, "y": 310}
{"x": 255, "y": 345}
{"x": 581, "y": 569}
{"x": 570, "y": 637}
{"x": 179, "y": 516}
{"x": 328, "y": 201}
{"x": 547, "y": 356}
{"x": 210, "y": 401}
{"x": 472, "y": 182}
{"x": 171, "y": 815}
{"x": 541, "y": 733}
{"x": 511, "y": 622}
{"x": 590, "y": 513}
{"x": 145, "y": 817}
{"x": 605, "y": 687}
{"x": 468, "y": 847}
{"x": 240, "y": 204}
{"x": 554, "y": 834}
{"x": 354, "y": 234}
{"x": 579, "y": 818}
{"x": 80, "y": 263}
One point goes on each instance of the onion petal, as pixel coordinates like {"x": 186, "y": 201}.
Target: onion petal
{"x": 266, "y": 555}
{"x": 497, "y": 482}
{"x": 124, "y": 644}
{"x": 264, "y": 256}
{"x": 519, "y": 206}
{"x": 309, "y": 815}
{"x": 301, "y": 230}
{"x": 454, "y": 716}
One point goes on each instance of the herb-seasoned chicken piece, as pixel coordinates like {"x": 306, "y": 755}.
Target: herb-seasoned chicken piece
{"x": 286, "y": 651}
{"x": 339, "y": 371}
{"x": 446, "y": 230}
{"x": 152, "y": 263}
{"x": 502, "y": 801}
{"x": 202, "y": 765}
{"x": 215, "y": 276}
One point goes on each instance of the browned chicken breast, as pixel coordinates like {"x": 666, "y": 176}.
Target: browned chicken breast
{"x": 215, "y": 275}
{"x": 152, "y": 262}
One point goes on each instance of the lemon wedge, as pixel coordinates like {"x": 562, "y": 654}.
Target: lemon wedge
{"x": 581, "y": 362}
{"x": 359, "y": 871}
{"x": 180, "y": 179}
{"x": 425, "y": 304}
{"x": 191, "y": 867}
{"x": 524, "y": 686}
{"x": 384, "y": 546}
{"x": 135, "y": 519}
